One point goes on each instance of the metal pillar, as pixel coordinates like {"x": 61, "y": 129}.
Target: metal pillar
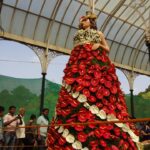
{"x": 45, "y": 56}
{"x": 42, "y": 92}
{"x": 132, "y": 103}
{"x": 131, "y": 77}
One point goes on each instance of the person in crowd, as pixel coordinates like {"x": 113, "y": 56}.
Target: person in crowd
{"x": 42, "y": 120}
{"x": 31, "y": 134}
{"x": 1, "y": 127}
{"x": 11, "y": 121}
{"x": 20, "y": 132}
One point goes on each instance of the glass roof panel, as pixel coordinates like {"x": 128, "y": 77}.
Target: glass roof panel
{"x": 111, "y": 5}
{"x": 72, "y": 10}
{"x": 139, "y": 59}
{"x": 62, "y": 9}
{"x": 30, "y": 25}
{"x": 135, "y": 38}
{"x": 114, "y": 29}
{"x": 53, "y": 32}
{"x": 120, "y": 52}
{"x": 22, "y": 4}
{"x": 48, "y": 8}
{"x": 41, "y": 29}
{"x": 101, "y": 19}
{"x": 120, "y": 10}
{"x": 135, "y": 16}
{"x": 70, "y": 38}
{"x": 36, "y": 7}
{"x": 6, "y": 15}
{"x": 132, "y": 57}
{"x": 62, "y": 35}
{"x": 122, "y": 32}
{"x": 18, "y": 22}
{"x": 113, "y": 50}
{"x": 126, "y": 56}
{"x": 109, "y": 25}
{"x": 10, "y": 2}
{"x": 128, "y": 35}
{"x": 144, "y": 62}
{"x": 80, "y": 13}
{"x": 127, "y": 13}
{"x": 100, "y": 4}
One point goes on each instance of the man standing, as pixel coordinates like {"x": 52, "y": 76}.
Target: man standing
{"x": 10, "y": 122}
{"x": 20, "y": 132}
{"x": 43, "y": 120}
{"x": 1, "y": 127}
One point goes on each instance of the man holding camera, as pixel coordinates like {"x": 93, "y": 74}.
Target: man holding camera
{"x": 11, "y": 121}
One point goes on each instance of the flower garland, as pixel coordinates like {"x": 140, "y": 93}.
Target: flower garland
{"x": 94, "y": 110}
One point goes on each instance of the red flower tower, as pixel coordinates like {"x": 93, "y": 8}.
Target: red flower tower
{"x": 91, "y": 92}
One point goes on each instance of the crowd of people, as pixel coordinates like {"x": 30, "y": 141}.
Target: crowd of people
{"x": 15, "y": 134}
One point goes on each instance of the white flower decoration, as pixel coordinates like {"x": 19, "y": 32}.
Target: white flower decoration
{"x": 65, "y": 133}
{"x": 120, "y": 125}
{"x": 94, "y": 109}
{"x": 82, "y": 98}
{"x": 85, "y": 148}
{"x": 63, "y": 83}
{"x": 56, "y": 127}
{"x": 134, "y": 137}
{"x": 111, "y": 117}
{"x": 75, "y": 95}
{"x": 66, "y": 86}
{"x": 86, "y": 105}
{"x": 69, "y": 88}
{"x": 70, "y": 138}
{"x": 101, "y": 114}
{"x": 125, "y": 128}
{"x": 61, "y": 129}
{"x": 77, "y": 145}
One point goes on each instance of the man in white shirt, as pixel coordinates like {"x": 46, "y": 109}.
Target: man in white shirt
{"x": 20, "y": 132}
{"x": 11, "y": 121}
{"x": 42, "y": 120}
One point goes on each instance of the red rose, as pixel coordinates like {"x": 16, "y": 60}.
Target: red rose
{"x": 99, "y": 105}
{"x": 69, "y": 80}
{"x": 82, "y": 72}
{"x": 117, "y": 131}
{"x": 98, "y": 133}
{"x": 106, "y": 92}
{"x": 63, "y": 104}
{"x": 99, "y": 94}
{"x": 104, "y": 59}
{"x": 93, "y": 143}
{"x": 107, "y": 135}
{"x": 113, "y": 90}
{"x": 67, "y": 148}
{"x": 108, "y": 77}
{"x": 92, "y": 99}
{"x": 94, "y": 82}
{"x": 79, "y": 88}
{"x": 51, "y": 139}
{"x": 103, "y": 143}
{"x": 124, "y": 135}
{"x": 112, "y": 99}
{"x": 97, "y": 74}
{"x": 86, "y": 92}
{"x": 102, "y": 80}
{"x": 82, "y": 136}
{"x": 93, "y": 88}
{"x": 86, "y": 83}
{"x": 74, "y": 103}
{"x": 79, "y": 80}
{"x": 114, "y": 147}
{"x": 79, "y": 127}
{"x": 82, "y": 117}
{"x": 70, "y": 120}
{"x": 96, "y": 52}
{"x": 82, "y": 66}
{"x": 86, "y": 76}
{"x": 62, "y": 141}
{"x": 108, "y": 84}
{"x": 104, "y": 101}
